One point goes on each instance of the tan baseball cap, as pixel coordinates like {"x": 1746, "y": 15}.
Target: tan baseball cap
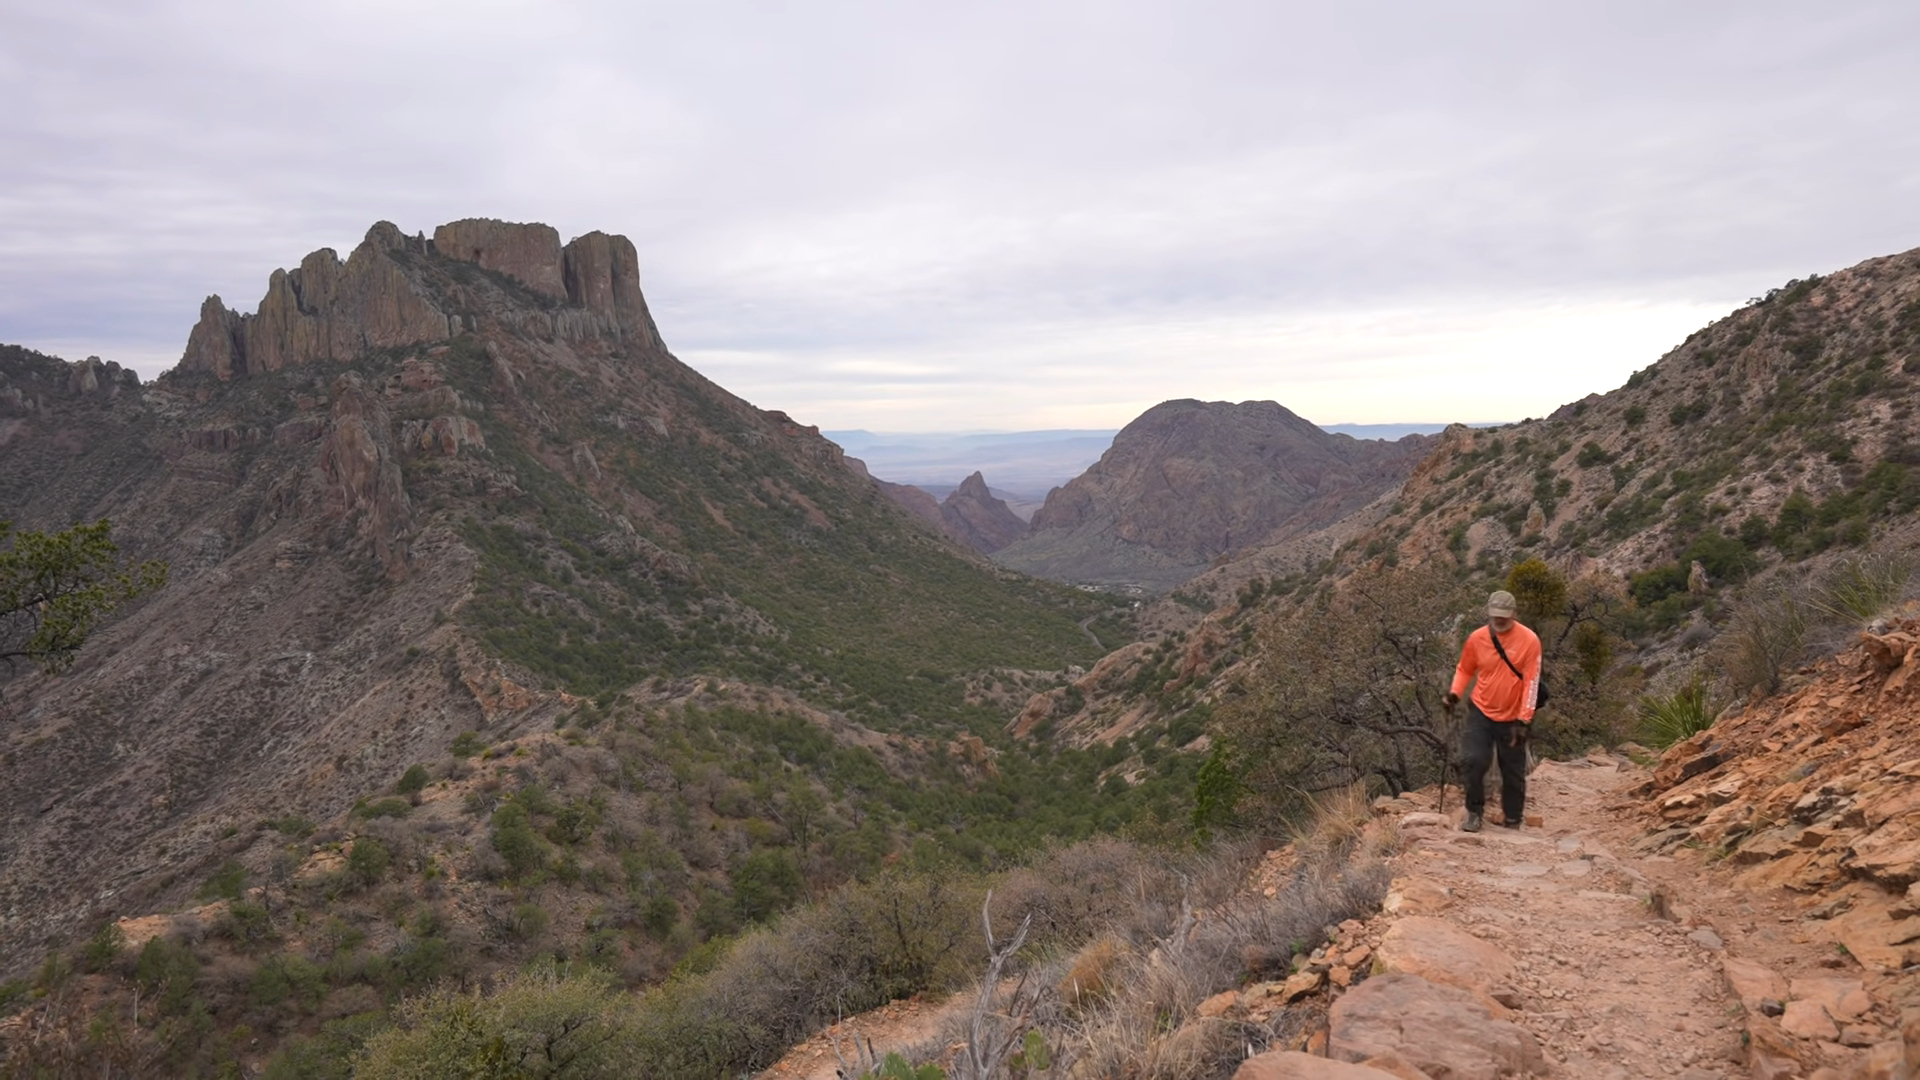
{"x": 1502, "y": 603}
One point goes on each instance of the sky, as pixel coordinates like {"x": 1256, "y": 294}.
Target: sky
{"x": 992, "y": 216}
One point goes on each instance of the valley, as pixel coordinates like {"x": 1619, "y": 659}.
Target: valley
{"x": 498, "y": 641}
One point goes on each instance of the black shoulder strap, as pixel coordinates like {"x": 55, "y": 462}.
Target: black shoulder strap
{"x": 1503, "y": 655}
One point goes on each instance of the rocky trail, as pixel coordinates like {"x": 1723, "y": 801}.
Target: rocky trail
{"x": 1553, "y": 950}
{"x": 1568, "y": 955}
{"x": 1748, "y": 906}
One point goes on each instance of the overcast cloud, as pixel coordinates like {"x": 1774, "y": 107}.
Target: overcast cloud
{"x": 992, "y": 216}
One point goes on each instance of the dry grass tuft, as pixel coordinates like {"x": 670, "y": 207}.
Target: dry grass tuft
{"x": 1090, "y": 973}
{"x": 1151, "y": 973}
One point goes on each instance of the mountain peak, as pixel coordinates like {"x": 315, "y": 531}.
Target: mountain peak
{"x": 1188, "y": 481}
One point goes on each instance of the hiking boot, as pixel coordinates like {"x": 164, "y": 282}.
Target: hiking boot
{"x": 1472, "y": 824}
{"x": 1511, "y": 823}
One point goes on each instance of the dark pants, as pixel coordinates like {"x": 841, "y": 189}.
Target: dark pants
{"x": 1487, "y": 739}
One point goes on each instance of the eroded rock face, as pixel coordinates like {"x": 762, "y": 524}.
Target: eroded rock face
{"x": 603, "y": 278}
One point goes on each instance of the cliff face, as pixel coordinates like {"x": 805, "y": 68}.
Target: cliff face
{"x": 1189, "y": 481}
{"x": 330, "y": 311}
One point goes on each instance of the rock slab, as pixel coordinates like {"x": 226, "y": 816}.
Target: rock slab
{"x": 1294, "y": 1065}
{"x": 1442, "y": 1030}
{"x": 1443, "y": 952}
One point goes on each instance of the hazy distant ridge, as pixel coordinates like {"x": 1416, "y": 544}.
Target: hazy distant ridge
{"x": 1022, "y": 466}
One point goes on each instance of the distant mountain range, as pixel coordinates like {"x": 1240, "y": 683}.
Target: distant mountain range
{"x": 1021, "y": 466}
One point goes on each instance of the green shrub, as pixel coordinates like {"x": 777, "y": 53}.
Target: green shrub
{"x": 103, "y": 948}
{"x": 284, "y": 977}
{"x": 1725, "y": 558}
{"x": 467, "y": 744}
{"x": 247, "y": 924}
{"x": 766, "y": 883}
{"x": 1649, "y": 587}
{"x": 529, "y": 921}
{"x": 327, "y": 1055}
{"x": 1540, "y": 591}
{"x": 513, "y": 837}
{"x": 383, "y": 808}
{"x": 167, "y": 970}
{"x": 292, "y": 825}
{"x": 412, "y": 781}
{"x": 367, "y": 862}
{"x": 544, "y": 1023}
{"x": 227, "y": 883}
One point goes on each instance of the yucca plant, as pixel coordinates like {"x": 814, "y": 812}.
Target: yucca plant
{"x": 1860, "y": 587}
{"x": 1666, "y": 719}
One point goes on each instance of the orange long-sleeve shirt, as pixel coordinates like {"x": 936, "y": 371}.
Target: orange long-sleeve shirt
{"x": 1495, "y": 689}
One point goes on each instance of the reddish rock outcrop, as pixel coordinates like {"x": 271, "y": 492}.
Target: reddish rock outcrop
{"x": 218, "y": 342}
{"x": 1816, "y": 789}
{"x": 1815, "y": 794}
{"x": 1441, "y": 1030}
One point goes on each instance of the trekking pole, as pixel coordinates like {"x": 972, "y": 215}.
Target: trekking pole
{"x": 1446, "y": 759}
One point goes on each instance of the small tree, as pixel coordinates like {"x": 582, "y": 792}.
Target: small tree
{"x": 1540, "y": 592}
{"x": 1347, "y": 690}
{"x": 56, "y": 587}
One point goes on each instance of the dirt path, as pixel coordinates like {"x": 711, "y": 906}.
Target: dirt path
{"x": 1611, "y": 990}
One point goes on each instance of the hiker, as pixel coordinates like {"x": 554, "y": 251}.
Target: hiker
{"x": 1502, "y": 660}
